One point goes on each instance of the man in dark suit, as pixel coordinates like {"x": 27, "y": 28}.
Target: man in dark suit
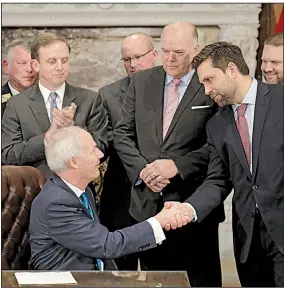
{"x": 17, "y": 65}
{"x": 246, "y": 142}
{"x": 138, "y": 53}
{"x": 28, "y": 115}
{"x": 65, "y": 232}
{"x": 146, "y": 139}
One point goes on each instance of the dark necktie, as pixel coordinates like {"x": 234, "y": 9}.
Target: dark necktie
{"x": 85, "y": 200}
{"x": 242, "y": 126}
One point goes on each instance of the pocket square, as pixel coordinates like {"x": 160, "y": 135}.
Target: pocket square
{"x": 199, "y": 107}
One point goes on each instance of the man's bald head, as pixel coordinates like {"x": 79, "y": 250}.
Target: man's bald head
{"x": 181, "y": 29}
{"x": 179, "y": 42}
{"x": 138, "y": 52}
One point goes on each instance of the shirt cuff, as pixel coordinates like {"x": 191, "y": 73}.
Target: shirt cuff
{"x": 157, "y": 229}
{"x": 194, "y": 212}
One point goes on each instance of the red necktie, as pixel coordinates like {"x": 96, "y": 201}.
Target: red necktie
{"x": 242, "y": 126}
{"x": 172, "y": 105}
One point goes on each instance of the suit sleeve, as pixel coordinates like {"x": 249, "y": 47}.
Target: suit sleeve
{"x": 109, "y": 124}
{"x": 190, "y": 164}
{"x": 125, "y": 135}
{"x": 71, "y": 227}
{"x": 97, "y": 123}
{"x": 15, "y": 150}
{"x": 216, "y": 187}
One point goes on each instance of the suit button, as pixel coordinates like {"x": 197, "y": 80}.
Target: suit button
{"x": 163, "y": 153}
{"x": 254, "y": 187}
{"x": 252, "y": 214}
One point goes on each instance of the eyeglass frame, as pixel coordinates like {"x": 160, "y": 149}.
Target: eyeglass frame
{"x": 135, "y": 58}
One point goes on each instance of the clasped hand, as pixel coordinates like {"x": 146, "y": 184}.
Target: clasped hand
{"x": 175, "y": 215}
{"x": 156, "y": 175}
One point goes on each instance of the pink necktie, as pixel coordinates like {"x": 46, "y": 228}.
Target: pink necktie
{"x": 172, "y": 105}
{"x": 242, "y": 126}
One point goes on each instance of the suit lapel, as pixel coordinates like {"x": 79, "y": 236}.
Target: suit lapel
{"x": 63, "y": 185}
{"x": 155, "y": 97}
{"x": 189, "y": 94}
{"x": 123, "y": 89}
{"x": 38, "y": 108}
{"x": 69, "y": 96}
{"x": 261, "y": 106}
{"x": 234, "y": 138}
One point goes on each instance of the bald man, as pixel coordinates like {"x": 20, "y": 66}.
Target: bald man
{"x": 138, "y": 53}
{"x": 162, "y": 126}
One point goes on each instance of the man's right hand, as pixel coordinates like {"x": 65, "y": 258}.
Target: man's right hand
{"x": 174, "y": 215}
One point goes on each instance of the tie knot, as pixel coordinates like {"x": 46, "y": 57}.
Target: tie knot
{"x": 176, "y": 82}
{"x": 84, "y": 197}
{"x": 53, "y": 96}
{"x": 242, "y": 109}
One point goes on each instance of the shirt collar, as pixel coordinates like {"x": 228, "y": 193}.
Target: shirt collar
{"x": 13, "y": 90}
{"x": 250, "y": 96}
{"x": 75, "y": 189}
{"x": 185, "y": 79}
{"x": 46, "y": 92}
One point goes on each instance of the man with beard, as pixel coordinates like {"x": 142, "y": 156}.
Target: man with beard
{"x": 246, "y": 142}
{"x": 272, "y": 59}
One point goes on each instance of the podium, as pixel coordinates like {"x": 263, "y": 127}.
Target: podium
{"x": 111, "y": 279}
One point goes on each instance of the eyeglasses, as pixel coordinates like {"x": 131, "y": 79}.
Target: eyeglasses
{"x": 135, "y": 58}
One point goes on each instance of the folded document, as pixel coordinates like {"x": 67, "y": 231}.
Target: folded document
{"x": 42, "y": 278}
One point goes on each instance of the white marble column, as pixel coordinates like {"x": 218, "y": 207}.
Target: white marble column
{"x": 244, "y": 36}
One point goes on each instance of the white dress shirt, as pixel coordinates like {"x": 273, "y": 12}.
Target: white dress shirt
{"x": 185, "y": 80}
{"x": 13, "y": 90}
{"x": 157, "y": 228}
{"x": 46, "y": 96}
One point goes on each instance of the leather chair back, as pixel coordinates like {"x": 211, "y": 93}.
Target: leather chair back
{"x": 20, "y": 185}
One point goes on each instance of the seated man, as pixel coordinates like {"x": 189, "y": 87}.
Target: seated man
{"x": 28, "y": 115}
{"x": 65, "y": 232}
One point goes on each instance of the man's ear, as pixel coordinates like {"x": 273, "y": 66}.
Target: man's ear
{"x": 72, "y": 162}
{"x": 5, "y": 66}
{"x": 232, "y": 70}
{"x": 35, "y": 65}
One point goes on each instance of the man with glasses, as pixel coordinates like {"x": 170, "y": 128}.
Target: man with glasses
{"x": 160, "y": 140}
{"x": 138, "y": 53}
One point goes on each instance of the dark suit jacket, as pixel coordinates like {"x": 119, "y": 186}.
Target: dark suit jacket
{"x": 228, "y": 167}
{"x": 138, "y": 139}
{"x": 63, "y": 235}
{"x": 115, "y": 197}
{"x": 5, "y": 90}
{"x": 25, "y": 122}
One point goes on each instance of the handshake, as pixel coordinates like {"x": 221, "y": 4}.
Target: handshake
{"x": 175, "y": 215}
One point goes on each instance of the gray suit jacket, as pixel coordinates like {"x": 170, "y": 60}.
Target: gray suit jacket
{"x": 115, "y": 197}
{"x": 63, "y": 235}
{"x": 25, "y": 122}
{"x": 138, "y": 139}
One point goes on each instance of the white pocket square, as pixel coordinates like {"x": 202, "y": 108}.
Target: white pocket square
{"x": 199, "y": 107}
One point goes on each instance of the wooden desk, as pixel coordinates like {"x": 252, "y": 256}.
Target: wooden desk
{"x": 112, "y": 279}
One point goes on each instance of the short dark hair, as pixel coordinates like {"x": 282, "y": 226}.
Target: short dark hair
{"x": 275, "y": 40}
{"x": 222, "y": 53}
{"x": 45, "y": 39}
